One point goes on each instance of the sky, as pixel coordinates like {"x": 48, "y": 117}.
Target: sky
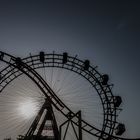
{"x": 105, "y": 32}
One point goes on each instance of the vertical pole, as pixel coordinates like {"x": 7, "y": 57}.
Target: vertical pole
{"x": 80, "y": 125}
{"x": 60, "y": 129}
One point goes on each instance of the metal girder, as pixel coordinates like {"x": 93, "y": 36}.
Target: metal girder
{"x": 49, "y": 116}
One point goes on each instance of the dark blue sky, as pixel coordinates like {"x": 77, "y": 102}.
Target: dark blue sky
{"x": 105, "y": 32}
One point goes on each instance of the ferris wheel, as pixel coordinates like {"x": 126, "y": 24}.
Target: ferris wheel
{"x": 52, "y": 96}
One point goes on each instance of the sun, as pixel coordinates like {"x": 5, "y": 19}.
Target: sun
{"x": 27, "y": 109}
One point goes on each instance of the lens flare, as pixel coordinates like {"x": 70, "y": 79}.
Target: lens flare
{"x": 27, "y": 109}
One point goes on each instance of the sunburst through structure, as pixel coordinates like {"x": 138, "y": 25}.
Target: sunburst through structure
{"x": 56, "y": 96}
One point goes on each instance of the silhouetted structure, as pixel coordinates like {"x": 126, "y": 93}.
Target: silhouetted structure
{"x": 38, "y": 131}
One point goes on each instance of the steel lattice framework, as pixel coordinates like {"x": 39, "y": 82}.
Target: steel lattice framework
{"x": 17, "y": 66}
